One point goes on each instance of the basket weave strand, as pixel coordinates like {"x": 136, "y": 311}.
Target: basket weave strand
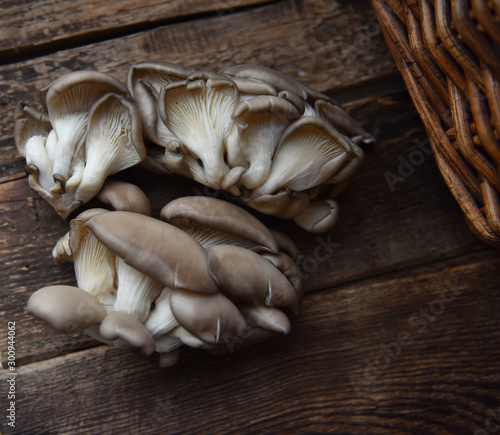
{"x": 448, "y": 54}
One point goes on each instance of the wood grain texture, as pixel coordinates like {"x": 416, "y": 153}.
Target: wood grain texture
{"x": 398, "y": 331}
{"x": 28, "y": 27}
{"x": 339, "y": 371}
{"x": 317, "y": 42}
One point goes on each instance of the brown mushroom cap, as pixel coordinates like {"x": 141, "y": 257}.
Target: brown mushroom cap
{"x": 211, "y": 318}
{"x": 268, "y": 318}
{"x": 118, "y": 325}
{"x": 250, "y": 278}
{"x": 275, "y": 78}
{"x": 155, "y": 248}
{"x": 220, "y": 215}
{"x": 287, "y": 266}
{"x": 124, "y": 196}
{"x": 65, "y": 307}
{"x": 319, "y": 217}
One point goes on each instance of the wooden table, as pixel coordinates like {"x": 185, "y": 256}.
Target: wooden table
{"x": 399, "y": 330}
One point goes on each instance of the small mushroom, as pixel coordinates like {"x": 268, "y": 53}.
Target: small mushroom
{"x": 319, "y": 217}
{"x": 124, "y": 196}
{"x": 66, "y": 308}
{"x": 264, "y": 317}
{"x": 123, "y": 326}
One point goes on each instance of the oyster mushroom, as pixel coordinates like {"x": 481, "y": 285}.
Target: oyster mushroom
{"x": 208, "y": 317}
{"x": 89, "y": 133}
{"x": 145, "y": 81}
{"x": 32, "y": 129}
{"x": 155, "y": 248}
{"x": 256, "y": 130}
{"x": 123, "y": 196}
{"x": 124, "y": 328}
{"x": 310, "y": 153}
{"x": 66, "y": 308}
{"x": 68, "y": 100}
{"x": 247, "y": 276}
{"x": 114, "y": 143}
{"x": 199, "y": 113}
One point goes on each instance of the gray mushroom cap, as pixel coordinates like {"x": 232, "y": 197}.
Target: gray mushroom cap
{"x": 277, "y": 79}
{"x": 65, "y": 308}
{"x": 247, "y": 276}
{"x": 124, "y": 196}
{"x": 220, "y": 215}
{"x": 123, "y": 326}
{"x": 155, "y": 248}
{"x": 144, "y": 81}
{"x": 211, "y": 318}
{"x": 264, "y": 317}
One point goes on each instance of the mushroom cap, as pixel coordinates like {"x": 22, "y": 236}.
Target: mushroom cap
{"x": 288, "y": 267}
{"x": 155, "y": 248}
{"x": 103, "y": 83}
{"x": 319, "y": 217}
{"x": 65, "y": 307}
{"x": 275, "y": 78}
{"x": 264, "y": 317}
{"x": 144, "y": 81}
{"x": 247, "y": 276}
{"x": 122, "y": 326}
{"x": 220, "y": 215}
{"x": 124, "y": 196}
{"x": 211, "y": 318}
{"x": 286, "y": 244}
{"x": 310, "y": 153}
{"x": 113, "y": 143}
{"x": 29, "y": 122}
{"x": 156, "y": 75}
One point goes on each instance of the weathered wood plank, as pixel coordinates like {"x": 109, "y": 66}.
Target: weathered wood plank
{"x": 412, "y": 352}
{"x": 324, "y": 44}
{"x": 28, "y": 27}
{"x": 379, "y": 230}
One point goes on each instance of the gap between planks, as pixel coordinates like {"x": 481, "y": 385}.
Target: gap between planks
{"x": 33, "y": 50}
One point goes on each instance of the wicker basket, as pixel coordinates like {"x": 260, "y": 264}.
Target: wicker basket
{"x": 448, "y": 55}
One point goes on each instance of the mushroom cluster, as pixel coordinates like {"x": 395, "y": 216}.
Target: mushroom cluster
{"x": 207, "y": 275}
{"x": 265, "y": 138}
{"x": 204, "y": 273}
{"x": 87, "y": 131}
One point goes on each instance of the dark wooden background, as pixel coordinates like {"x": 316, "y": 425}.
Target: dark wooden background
{"x": 399, "y": 330}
